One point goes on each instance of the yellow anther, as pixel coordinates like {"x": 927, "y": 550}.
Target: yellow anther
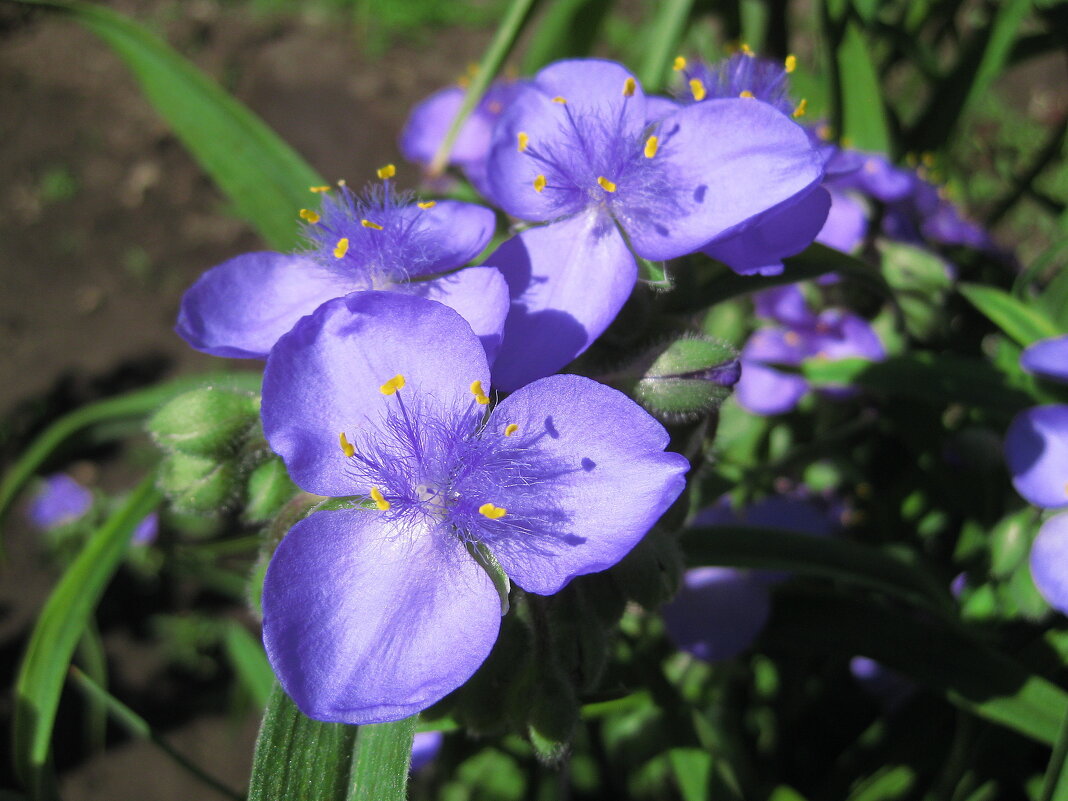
{"x": 679, "y": 64}
{"x": 824, "y": 132}
{"x": 346, "y": 446}
{"x": 379, "y": 499}
{"x": 494, "y": 107}
{"x": 387, "y": 172}
{"x": 318, "y": 188}
{"x": 342, "y": 182}
{"x": 606, "y": 185}
{"x": 746, "y": 94}
{"x": 491, "y": 511}
{"x": 539, "y": 183}
{"x": 391, "y": 386}
{"x": 746, "y": 49}
{"x": 341, "y": 248}
{"x": 510, "y": 429}
{"x": 792, "y": 338}
{"x": 480, "y": 396}
{"x": 522, "y": 140}
{"x": 652, "y": 144}
{"x": 429, "y": 204}
{"x": 560, "y": 100}
{"x": 369, "y": 224}
{"x": 309, "y": 215}
{"x": 791, "y": 63}
{"x": 697, "y": 89}
{"x": 629, "y": 87}
{"x": 801, "y": 107}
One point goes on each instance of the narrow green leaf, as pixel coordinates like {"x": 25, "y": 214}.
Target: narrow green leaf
{"x": 1055, "y": 782}
{"x": 90, "y": 655}
{"x": 1021, "y": 321}
{"x": 567, "y": 29}
{"x": 265, "y": 180}
{"x": 297, "y": 757}
{"x": 660, "y": 49}
{"x": 774, "y": 549}
{"x": 693, "y": 770}
{"x": 246, "y": 654}
{"x": 139, "y": 727}
{"x": 139, "y": 403}
{"x": 940, "y": 655}
{"x": 59, "y": 628}
{"x": 863, "y": 116}
{"x": 383, "y": 755}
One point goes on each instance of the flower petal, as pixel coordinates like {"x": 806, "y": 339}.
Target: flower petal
{"x": 1049, "y": 562}
{"x": 567, "y": 280}
{"x": 240, "y": 308}
{"x": 429, "y": 122}
{"x": 846, "y": 225}
{"x": 479, "y": 294}
{"x": 323, "y": 377}
{"x": 611, "y": 482}
{"x": 1047, "y": 358}
{"x": 785, "y": 304}
{"x": 1036, "y": 450}
{"x": 766, "y": 391}
{"x": 731, "y": 160}
{"x": 459, "y": 231}
{"x": 364, "y": 623}
{"x": 784, "y": 231}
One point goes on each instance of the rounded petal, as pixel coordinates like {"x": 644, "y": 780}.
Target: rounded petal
{"x": 425, "y": 747}
{"x": 846, "y": 225}
{"x": 364, "y": 623}
{"x": 1036, "y": 450}
{"x": 429, "y": 122}
{"x": 60, "y": 500}
{"x": 567, "y": 281}
{"x": 594, "y": 85}
{"x": 479, "y": 294}
{"x": 323, "y": 377}
{"x": 731, "y": 160}
{"x": 784, "y": 231}
{"x": 240, "y": 308}
{"x": 1049, "y": 562}
{"x": 778, "y": 346}
{"x": 785, "y": 304}
{"x": 843, "y": 335}
{"x": 718, "y": 613}
{"x": 763, "y": 390}
{"x": 611, "y": 481}
{"x": 459, "y": 232}
{"x": 1047, "y": 358}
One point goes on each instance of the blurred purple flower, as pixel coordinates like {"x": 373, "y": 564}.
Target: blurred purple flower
{"x": 425, "y": 747}
{"x": 374, "y": 613}
{"x": 380, "y": 240}
{"x": 1036, "y": 451}
{"x": 146, "y": 531}
{"x": 577, "y": 149}
{"x": 59, "y": 501}
{"x": 884, "y": 683}
{"x": 1049, "y": 562}
{"x": 1047, "y": 358}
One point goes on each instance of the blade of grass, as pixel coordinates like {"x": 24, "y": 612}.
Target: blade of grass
{"x": 380, "y": 766}
{"x": 138, "y": 727}
{"x": 250, "y": 662}
{"x": 60, "y": 626}
{"x": 663, "y": 42}
{"x": 1021, "y": 321}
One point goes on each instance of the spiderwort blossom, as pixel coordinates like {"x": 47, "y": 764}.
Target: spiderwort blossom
{"x": 372, "y": 614}
{"x": 59, "y": 501}
{"x": 576, "y": 149}
{"x": 1036, "y": 451}
{"x": 1047, "y": 358}
{"x": 1049, "y": 562}
{"x": 379, "y": 240}
{"x": 800, "y": 334}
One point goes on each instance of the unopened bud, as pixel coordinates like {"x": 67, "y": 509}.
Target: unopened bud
{"x": 198, "y": 483}
{"x": 204, "y": 422}
{"x": 269, "y": 487}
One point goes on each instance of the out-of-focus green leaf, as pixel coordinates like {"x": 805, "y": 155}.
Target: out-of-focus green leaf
{"x": 61, "y": 625}
{"x": 380, "y": 766}
{"x": 693, "y": 769}
{"x": 250, "y": 662}
{"x": 886, "y": 784}
{"x": 665, "y": 33}
{"x": 567, "y": 29}
{"x": 1023, "y": 322}
{"x": 133, "y": 404}
{"x": 939, "y": 655}
{"x": 863, "y": 116}
{"x": 1055, "y": 782}
{"x": 265, "y": 179}
{"x": 297, "y": 757}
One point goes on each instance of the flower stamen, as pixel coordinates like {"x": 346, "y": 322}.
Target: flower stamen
{"x": 391, "y": 386}
{"x": 491, "y": 511}
{"x": 369, "y": 224}
{"x": 605, "y": 184}
{"x": 429, "y": 204}
{"x": 652, "y": 144}
{"x": 697, "y": 89}
{"x": 539, "y": 183}
{"x": 379, "y": 499}
{"x": 341, "y": 248}
{"x": 347, "y": 447}
{"x": 629, "y": 87}
{"x": 480, "y": 397}
{"x": 522, "y": 141}
{"x": 510, "y": 429}
{"x": 388, "y": 171}
{"x": 309, "y": 216}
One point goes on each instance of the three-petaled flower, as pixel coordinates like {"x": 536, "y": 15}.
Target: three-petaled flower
{"x": 374, "y": 613}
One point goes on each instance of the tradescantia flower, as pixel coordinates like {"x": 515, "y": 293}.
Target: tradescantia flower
{"x": 1049, "y": 562}
{"x": 1047, "y": 358}
{"x": 372, "y": 614}
{"x": 1036, "y": 451}
{"x": 59, "y": 501}
{"x": 380, "y": 240}
{"x": 581, "y": 149}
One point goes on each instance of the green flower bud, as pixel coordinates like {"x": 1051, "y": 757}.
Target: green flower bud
{"x": 205, "y": 422}
{"x": 681, "y": 380}
{"x": 269, "y": 487}
{"x": 198, "y": 483}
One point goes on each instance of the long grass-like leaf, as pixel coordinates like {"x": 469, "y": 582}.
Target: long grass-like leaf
{"x": 380, "y": 767}
{"x": 1022, "y": 322}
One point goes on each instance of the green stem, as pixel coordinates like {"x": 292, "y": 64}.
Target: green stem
{"x": 487, "y": 69}
{"x": 667, "y": 30}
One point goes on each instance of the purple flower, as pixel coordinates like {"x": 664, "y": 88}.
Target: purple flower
{"x": 1036, "y": 450}
{"x": 425, "y": 747}
{"x": 884, "y": 683}
{"x": 720, "y": 611}
{"x": 801, "y": 334}
{"x": 431, "y": 119}
{"x": 379, "y": 240}
{"x": 1049, "y": 562}
{"x": 1047, "y": 358}
{"x": 59, "y": 501}
{"x": 374, "y": 613}
{"x": 576, "y": 148}
{"x": 146, "y": 531}
{"x": 743, "y": 74}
